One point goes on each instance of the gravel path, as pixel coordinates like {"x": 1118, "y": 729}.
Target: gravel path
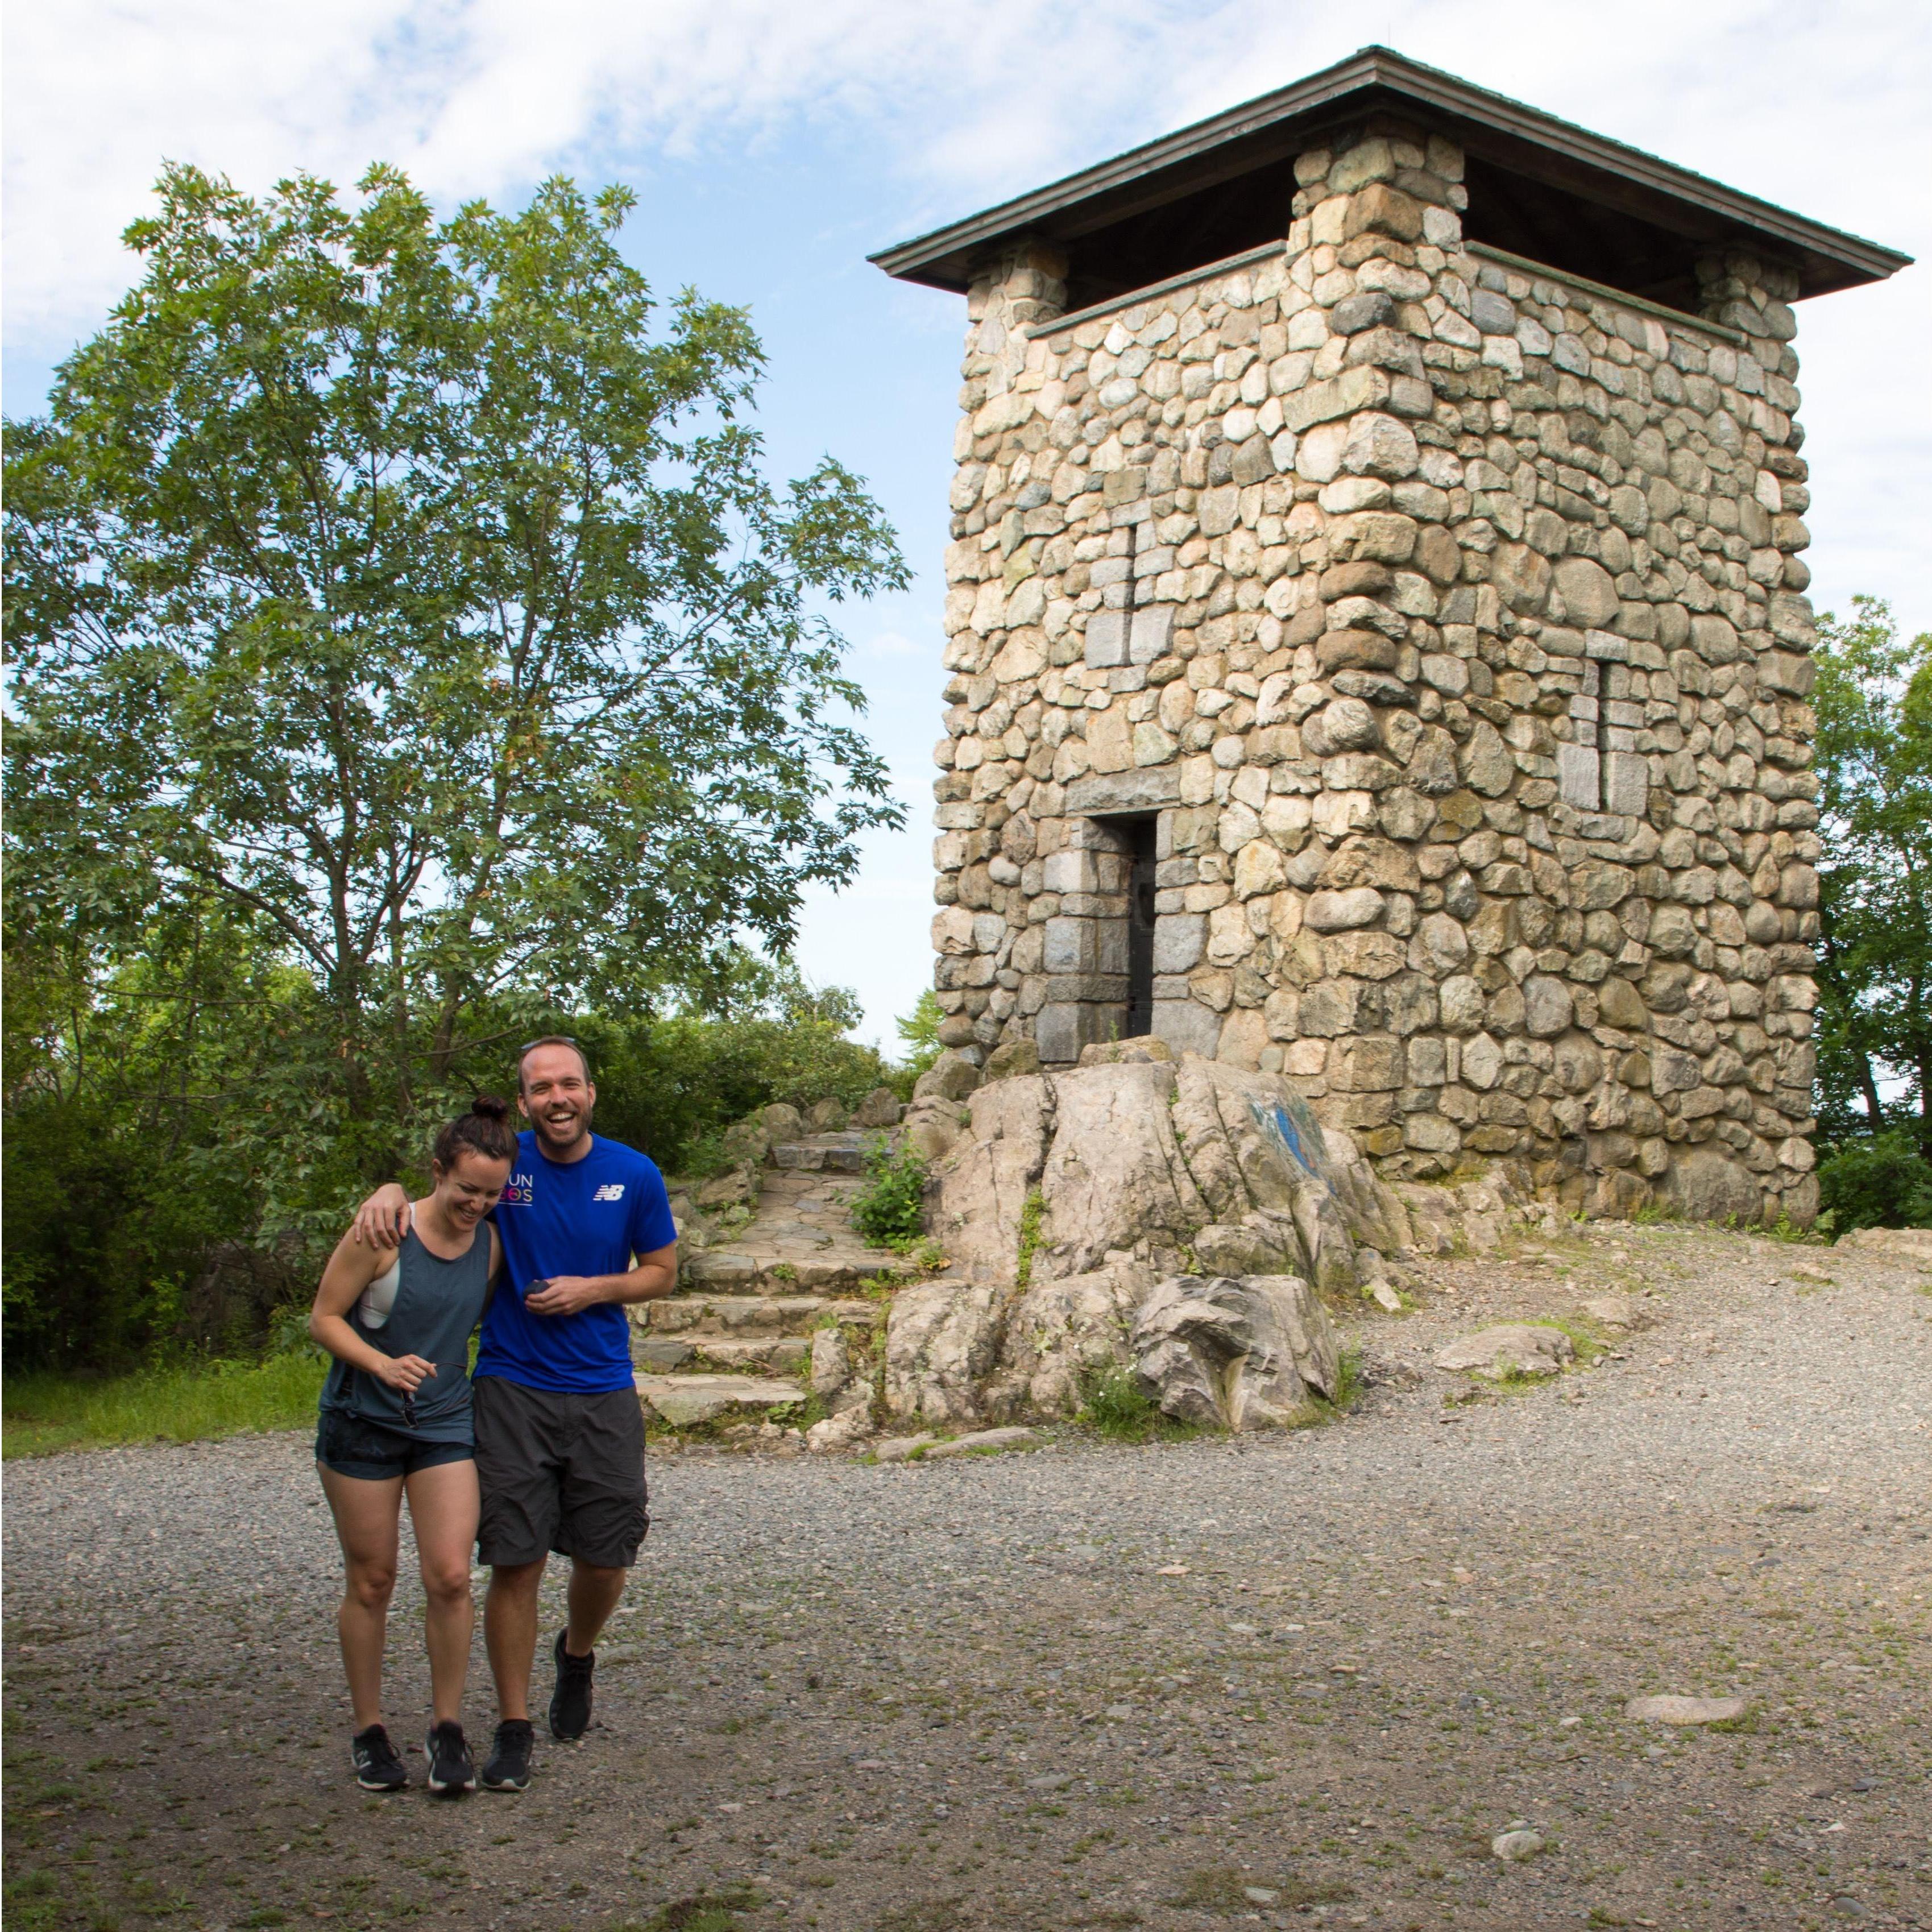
{"x": 1187, "y": 1685}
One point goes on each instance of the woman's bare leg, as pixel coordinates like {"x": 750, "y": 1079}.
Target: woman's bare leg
{"x": 442, "y": 1509}
{"x": 367, "y": 1516}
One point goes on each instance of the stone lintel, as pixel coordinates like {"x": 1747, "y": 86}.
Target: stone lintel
{"x": 1146, "y": 789}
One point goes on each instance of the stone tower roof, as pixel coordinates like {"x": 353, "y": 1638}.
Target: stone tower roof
{"x": 1538, "y": 187}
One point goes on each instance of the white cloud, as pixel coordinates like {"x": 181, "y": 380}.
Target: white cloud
{"x": 1820, "y": 106}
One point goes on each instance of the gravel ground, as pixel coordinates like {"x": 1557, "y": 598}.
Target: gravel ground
{"x": 1185, "y": 1685}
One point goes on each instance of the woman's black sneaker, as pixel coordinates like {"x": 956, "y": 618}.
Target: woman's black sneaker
{"x": 570, "y": 1702}
{"x": 377, "y": 1766}
{"x": 452, "y": 1771}
{"x": 508, "y": 1767}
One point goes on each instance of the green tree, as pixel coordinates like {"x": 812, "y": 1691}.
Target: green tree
{"x": 1874, "y": 756}
{"x": 412, "y": 592}
{"x": 919, "y": 1031}
{"x": 128, "y": 1160}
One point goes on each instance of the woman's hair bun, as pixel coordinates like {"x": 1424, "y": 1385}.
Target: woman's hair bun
{"x": 484, "y": 1129}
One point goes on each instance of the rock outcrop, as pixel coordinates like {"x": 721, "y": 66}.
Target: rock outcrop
{"x": 1146, "y": 1160}
{"x": 1238, "y": 1355}
{"x": 1174, "y": 1217}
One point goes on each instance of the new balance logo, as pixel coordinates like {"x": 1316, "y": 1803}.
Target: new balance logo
{"x": 611, "y": 1190}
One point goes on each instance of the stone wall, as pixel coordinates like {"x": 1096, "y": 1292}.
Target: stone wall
{"x": 1447, "y": 615}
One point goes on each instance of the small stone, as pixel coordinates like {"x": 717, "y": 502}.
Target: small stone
{"x": 1685, "y": 1710}
{"x": 951, "y": 1077}
{"x": 880, "y": 1108}
{"x": 1131, "y": 1052}
{"x": 1385, "y": 1297}
{"x": 1519, "y": 1347}
{"x": 662, "y": 1354}
{"x": 740, "y": 1186}
{"x": 897, "y": 1448}
{"x": 1259, "y": 1894}
{"x": 831, "y": 1362}
{"x": 1054, "y": 1780}
{"x": 1611, "y": 1311}
{"x": 1512, "y": 1846}
{"x": 983, "y": 1442}
{"x": 841, "y": 1431}
{"x": 1012, "y": 1058}
{"x": 1343, "y": 911}
{"x": 679, "y": 1401}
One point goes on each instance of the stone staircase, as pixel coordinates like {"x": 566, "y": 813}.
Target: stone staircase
{"x": 735, "y": 1341}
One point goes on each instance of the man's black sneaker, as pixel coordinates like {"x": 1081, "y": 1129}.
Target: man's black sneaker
{"x": 508, "y": 1767}
{"x": 570, "y": 1702}
{"x": 452, "y": 1771}
{"x": 377, "y": 1766}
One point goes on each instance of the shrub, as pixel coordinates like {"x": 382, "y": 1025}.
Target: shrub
{"x": 671, "y": 1087}
{"x": 889, "y": 1210}
{"x": 1882, "y": 1182}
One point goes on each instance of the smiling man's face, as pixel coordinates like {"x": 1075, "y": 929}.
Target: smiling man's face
{"x": 556, "y": 1096}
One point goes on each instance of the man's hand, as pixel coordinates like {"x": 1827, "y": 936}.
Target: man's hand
{"x": 383, "y": 1219}
{"x": 566, "y": 1294}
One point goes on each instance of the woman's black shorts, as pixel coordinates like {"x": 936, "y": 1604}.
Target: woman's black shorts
{"x": 352, "y": 1445}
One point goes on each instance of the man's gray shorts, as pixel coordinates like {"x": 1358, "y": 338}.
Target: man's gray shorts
{"x": 559, "y": 1472}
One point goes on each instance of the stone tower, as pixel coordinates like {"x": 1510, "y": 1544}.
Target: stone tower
{"x": 1378, "y": 639}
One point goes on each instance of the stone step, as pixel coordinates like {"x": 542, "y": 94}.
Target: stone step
{"x": 679, "y": 1401}
{"x": 744, "y": 1316}
{"x": 823, "y": 1153}
{"x": 743, "y": 1270}
{"x": 774, "y": 1354}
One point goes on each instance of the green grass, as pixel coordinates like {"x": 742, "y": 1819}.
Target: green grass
{"x": 1113, "y": 1402}
{"x": 1223, "y": 1889}
{"x": 1033, "y": 1211}
{"x": 182, "y": 1402}
{"x": 704, "y": 1912}
{"x": 1347, "y": 1380}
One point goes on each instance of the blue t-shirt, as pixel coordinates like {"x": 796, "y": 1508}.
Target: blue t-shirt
{"x": 583, "y": 1217}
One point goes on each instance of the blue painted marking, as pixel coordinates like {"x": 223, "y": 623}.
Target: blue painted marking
{"x": 1279, "y": 1120}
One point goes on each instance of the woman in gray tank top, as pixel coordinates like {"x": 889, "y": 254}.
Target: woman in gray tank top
{"x": 395, "y": 1421}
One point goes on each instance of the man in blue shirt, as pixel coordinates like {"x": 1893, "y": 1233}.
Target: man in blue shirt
{"x": 586, "y": 1230}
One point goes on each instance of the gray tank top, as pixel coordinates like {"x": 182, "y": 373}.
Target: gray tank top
{"x": 437, "y": 1306}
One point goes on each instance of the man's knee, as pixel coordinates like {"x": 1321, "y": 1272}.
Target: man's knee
{"x": 517, "y": 1579}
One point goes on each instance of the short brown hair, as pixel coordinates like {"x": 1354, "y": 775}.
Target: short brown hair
{"x": 551, "y": 1039}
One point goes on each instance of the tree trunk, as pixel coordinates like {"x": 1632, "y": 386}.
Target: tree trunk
{"x": 1868, "y": 1086}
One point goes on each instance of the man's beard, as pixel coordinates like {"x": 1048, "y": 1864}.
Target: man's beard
{"x": 559, "y": 1133}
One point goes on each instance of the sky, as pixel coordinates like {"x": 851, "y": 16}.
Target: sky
{"x": 773, "y": 145}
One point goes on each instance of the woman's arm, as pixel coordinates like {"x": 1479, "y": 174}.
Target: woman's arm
{"x": 350, "y": 1270}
